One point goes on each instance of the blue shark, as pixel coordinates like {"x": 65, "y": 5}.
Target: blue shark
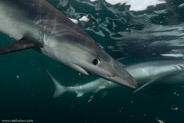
{"x": 38, "y": 25}
{"x": 144, "y": 73}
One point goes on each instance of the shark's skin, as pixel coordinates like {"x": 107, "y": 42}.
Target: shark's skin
{"x": 59, "y": 38}
{"x": 142, "y": 72}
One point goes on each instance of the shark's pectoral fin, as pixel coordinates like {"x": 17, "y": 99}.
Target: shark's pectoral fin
{"x": 79, "y": 94}
{"x": 80, "y": 69}
{"x": 161, "y": 76}
{"x": 99, "y": 88}
{"x": 20, "y": 45}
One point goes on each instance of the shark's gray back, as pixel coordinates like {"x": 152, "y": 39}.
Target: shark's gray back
{"x": 40, "y": 19}
{"x": 40, "y": 10}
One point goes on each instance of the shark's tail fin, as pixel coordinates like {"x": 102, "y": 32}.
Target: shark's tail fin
{"x": 59, "y": 88}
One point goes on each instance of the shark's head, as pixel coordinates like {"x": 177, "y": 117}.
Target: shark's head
{"x": 108, "y": 68}
{"x": 100, "y": 63}
{"x": 81, "y": 53}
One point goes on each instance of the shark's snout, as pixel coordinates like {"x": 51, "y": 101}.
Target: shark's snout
{"x": 130, "y": 82}
{"x": 119, "y": 75}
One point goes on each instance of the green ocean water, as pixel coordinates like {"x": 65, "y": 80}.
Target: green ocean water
{"x": 26, "y": 90}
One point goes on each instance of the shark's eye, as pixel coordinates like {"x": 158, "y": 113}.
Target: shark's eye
{"x": 96, "y": 61}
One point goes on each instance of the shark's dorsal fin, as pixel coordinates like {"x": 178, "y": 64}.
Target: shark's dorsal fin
{"x": 20, "y": 45}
